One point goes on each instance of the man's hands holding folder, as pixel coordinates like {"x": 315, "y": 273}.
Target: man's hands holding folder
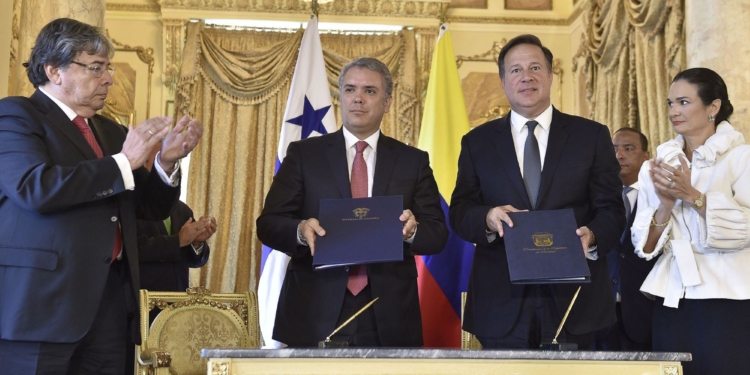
{"x": 498, "y": 215}
{"x": 309, "y": 229}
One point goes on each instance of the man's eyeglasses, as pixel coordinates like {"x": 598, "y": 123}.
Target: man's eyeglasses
{"x": 96, "y": 70}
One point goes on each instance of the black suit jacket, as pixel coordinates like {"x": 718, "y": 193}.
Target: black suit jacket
{"x": 59, "y": 208}
{"x": 580, "y": 171}
{"x": 165, "y": 266}
{"x": 629, "y": 271}
{"x": 310, "y": 301}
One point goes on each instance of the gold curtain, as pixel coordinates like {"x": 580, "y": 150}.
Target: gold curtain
{"x": 236, "y": 82}
{"x": 632, "y": 50}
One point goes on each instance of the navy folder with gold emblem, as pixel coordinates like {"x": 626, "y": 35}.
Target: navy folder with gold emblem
{"x": 359, "y": 231}
{"x": 543, "y": 248}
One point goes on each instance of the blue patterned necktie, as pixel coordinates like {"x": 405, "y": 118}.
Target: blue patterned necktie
{"x": 532, "y": 164}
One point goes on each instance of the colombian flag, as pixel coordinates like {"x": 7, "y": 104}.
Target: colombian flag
{"x": 443, "y": 277}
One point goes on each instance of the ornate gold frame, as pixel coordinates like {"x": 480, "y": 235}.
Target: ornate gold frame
{"x": 146, "y": 55}
{"x": 492, "y": 55}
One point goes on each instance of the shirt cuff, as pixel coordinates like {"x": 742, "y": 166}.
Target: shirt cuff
{"x": 300, "y": 240}
{"x": 125, "y": 171}
{"x": 411, "y": 239}
{"x": 491, "y": 236}
{"x": 171, "y": 179}
{"x": 198, "y": 250}
{"x": 592, "y": 253}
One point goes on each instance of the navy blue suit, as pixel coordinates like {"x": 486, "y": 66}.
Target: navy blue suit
{"x": 59, "y": 209}
{"x": 635, "y": 315}
{"x": 311, "y": 301}
{"x": 580, "y": 172}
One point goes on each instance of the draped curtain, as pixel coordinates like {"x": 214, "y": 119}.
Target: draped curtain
{"x": 236, "y": 82}
{"x": 632, "y": 50}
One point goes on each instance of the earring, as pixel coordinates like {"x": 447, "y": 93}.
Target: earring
{"x": 711, "y": 118}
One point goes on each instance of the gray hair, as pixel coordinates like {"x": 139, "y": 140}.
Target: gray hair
{"x": 371, "y": 64}
{"x": 58, "y": 44}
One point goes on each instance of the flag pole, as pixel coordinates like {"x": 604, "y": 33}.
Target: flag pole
{"x": 315, "y": 7}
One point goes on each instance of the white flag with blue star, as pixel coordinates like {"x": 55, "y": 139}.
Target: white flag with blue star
{"x": 308, "y": 114}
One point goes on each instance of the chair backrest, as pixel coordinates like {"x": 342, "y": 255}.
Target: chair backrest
{"x": 468, "y": 340}
{"x": 193, "y": 320}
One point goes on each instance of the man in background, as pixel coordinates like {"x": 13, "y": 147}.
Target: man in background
{"x": 168, "y": 249}
{"x": 632, "y": 331}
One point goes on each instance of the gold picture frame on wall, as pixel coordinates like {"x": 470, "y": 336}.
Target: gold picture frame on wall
{"x": 485, "y": 100}
{"x": 129, "y": 99}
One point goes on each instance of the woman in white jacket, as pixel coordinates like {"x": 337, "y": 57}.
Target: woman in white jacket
{"x": 694, "y": 211}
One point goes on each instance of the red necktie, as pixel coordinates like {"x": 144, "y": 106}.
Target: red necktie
{"x": 358, "y": 273}
{"x": 89, "y": 136}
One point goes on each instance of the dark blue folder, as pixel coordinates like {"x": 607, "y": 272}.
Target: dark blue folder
{"x": 543, "y": 248}
{"x": 359, "y": 231}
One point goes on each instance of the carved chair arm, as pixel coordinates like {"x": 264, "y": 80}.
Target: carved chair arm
{"x": 155, "y": 358}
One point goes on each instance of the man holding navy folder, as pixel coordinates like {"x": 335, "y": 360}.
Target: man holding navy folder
{"x": 355, "y": 162}
{"x": 535, "y": 158}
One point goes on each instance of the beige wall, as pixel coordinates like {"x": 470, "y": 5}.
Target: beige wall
{"x": 6, "y": 23}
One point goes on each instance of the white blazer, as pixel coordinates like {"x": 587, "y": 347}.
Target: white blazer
{"x": 720, "y": 242}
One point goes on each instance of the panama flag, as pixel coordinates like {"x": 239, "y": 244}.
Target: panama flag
{"x": 443, "y": 277}
{"x": 308, "y": 114}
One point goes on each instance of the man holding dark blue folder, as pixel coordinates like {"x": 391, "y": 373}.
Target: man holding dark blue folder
{"x": 355, "y": 162}
{"x": 535, "y": 158}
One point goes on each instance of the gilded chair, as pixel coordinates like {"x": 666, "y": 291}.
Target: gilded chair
{"x": 468, "y": 340}
{"x": 189, "y": 322}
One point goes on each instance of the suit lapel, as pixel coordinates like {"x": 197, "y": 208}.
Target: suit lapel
{"x": 507, "y": 151}
{"x": 109, "y": 147}
{"x": 336, "y": 154}
{"x": 60, "y": 120}
{"x": 384, "y": 165}
{"x": 558, "y": 136}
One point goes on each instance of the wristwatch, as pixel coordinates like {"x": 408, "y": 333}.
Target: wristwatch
{"x": 698, "y": 203}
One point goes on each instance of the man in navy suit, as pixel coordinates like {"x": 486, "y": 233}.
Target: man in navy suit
{"x": 167, "y": 253}
{"x": 632, "y": 332}
{"x": 535, "y": 158}
{"x": 356, "y": 161}
{"x": 71, "y": 188}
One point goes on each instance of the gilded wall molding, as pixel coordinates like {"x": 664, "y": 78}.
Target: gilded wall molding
{"x": 360, "y": 8}
{"x": 150, "y": 8}
{"x": 377, "y": 8}
{"x": 508, "y": 20}
{"x": 174, "y": 40}
{"x": 146, "y": 55}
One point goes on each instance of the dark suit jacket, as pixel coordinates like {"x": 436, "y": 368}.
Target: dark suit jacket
{"x": 580, "y": 171}
{"x": 310, "y": 301}
{"x": 164, "y": 264}
{"x": 628, "y": 271}
{"x": 59, "y": 208}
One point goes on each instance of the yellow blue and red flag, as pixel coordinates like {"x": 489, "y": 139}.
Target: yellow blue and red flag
{"x": 443, "y": 277}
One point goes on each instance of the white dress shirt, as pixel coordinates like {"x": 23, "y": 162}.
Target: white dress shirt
{"x": 633, "y": 195}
